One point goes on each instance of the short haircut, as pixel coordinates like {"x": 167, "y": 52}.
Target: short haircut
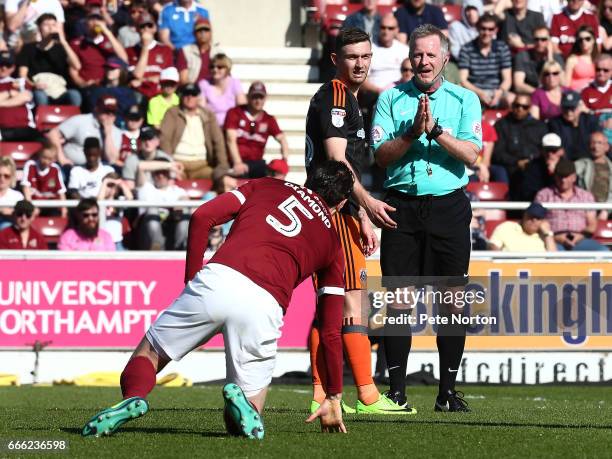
{"x": 222, "y": 59}
{"x": 350, "y": 36}
{"x": 45, "y": 17}
{"x": 549, "y": 66}
{"x": 565, "y": 168}
{"x": 7, "y": 161}
{"x": 603, "y": 57}
{"x": 332, "y": 180}
{"x": 91, "y": 142}
{"x": 427, "y": 30}
{"x": 86, "y": 204}
{"x": 487, "y": 17}
{"x": 523, "y": 94}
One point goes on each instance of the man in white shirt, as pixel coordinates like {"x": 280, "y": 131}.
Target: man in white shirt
{"x": 21, "y": 16}
{"x": 162, "y": 227}
{"x": 85, "y": 181}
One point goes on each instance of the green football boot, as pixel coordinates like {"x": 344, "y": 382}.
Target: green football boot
{"x": 241, "y": 417}
{"x": 384, "y": 405}
{"x": 107, "y": 421}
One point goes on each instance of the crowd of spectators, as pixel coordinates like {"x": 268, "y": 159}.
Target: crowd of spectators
{"x": 158, "y": 103}
{"x": 152, "y": 89}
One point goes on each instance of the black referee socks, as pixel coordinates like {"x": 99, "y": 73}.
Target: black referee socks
{"x": 397, "y": 341}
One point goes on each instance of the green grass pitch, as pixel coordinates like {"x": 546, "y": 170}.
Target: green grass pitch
{"x": 541, "y": 421}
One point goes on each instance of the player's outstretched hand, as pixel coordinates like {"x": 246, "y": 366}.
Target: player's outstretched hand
{"x": 330, "y": 415}
{"x": 377, "y": 211}
{"x": 369, "y": 239}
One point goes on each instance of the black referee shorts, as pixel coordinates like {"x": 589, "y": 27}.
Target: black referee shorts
{"x": 432, "y": 239}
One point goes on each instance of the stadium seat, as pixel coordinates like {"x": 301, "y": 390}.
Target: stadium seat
{"x": 492, "y": 116}
{"x": 335, "y": 14}
{"x": 19, "y": 151}
{"x": 49, "y": 116}
{"x": 50, "y": 227}
{"x": 603, "y": 233}
{"x": 492, "y": 191}
{"x": 195, "y": 188}
{"x": 451, "y": 12}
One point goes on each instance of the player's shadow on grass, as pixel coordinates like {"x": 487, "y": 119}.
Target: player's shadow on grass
{"x": 153, "y": 430}
{"x": 489, "y": 424}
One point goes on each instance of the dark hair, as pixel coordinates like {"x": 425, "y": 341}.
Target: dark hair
{"x": 332, "y": 180}
{"x": 86, "y": 204}
{"x": 46, "y": 144}
{"x": 576, "y": 46}
{"x": 350, "y": 36}
{"x": 488, "y": 17}
{"x": 565, "y": 168}
{"x": 91, "y": 142}
{"x": 45, "y": 17}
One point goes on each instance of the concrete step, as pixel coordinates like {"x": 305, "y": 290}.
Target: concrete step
{"x": 296, "y": 142}
{"x": 276, "y": 73}
{"x": 279, "y": 90}
{"x": 273, "y": 55}
{"x": 298, "y": 177}
{"x": 295, "y": 160}
{"x": 288, "y": 108}
{"x": 292, "y": 126}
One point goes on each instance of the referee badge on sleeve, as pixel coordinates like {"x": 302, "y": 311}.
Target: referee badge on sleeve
{"x": 377, "y": 133}
{"x": 477, "y": 129}
{"x": 337, "y": 117}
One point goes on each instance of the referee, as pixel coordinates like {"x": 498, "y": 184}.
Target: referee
{"x": 425, "y": 132}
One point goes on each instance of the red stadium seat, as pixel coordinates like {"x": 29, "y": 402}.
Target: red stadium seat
{"x": 195, "y": 188}
{"x": 492, "y": 191}
{"x": 603, "y": 233}
{"x": 451, "y": 12}
{"x": 335, "y": 14}
{"x": 19, "y": 151}
{"x": 50, "y": 227}
{"x": 493, "y": 116}
{"x": 49, "y": 116}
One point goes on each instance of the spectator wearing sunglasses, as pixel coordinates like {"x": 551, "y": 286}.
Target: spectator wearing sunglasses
{"x": 580, "y": 65}
{"x": 147, "y": 59}
{"x": 193, "y": 61}
{"x": 519, "y": 137}
{"x": 565, "y": 25}
{"x": 221, "y": 91}
{"x": 597, "y": 96}
{"x": 546, "y": 100}
{"x": 528, "y": 64}
{"x": 84, "y": 232}
{"x": 247, "y": 128}
{"x": 21, "y": 235}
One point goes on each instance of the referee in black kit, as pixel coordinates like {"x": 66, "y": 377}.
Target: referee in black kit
{"x": 425, "y": 132}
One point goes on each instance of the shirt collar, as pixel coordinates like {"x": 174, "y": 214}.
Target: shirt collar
{"x": 576, "y": 15}
{"x": 412, "y": 89}
{"x": 193, "y": 7}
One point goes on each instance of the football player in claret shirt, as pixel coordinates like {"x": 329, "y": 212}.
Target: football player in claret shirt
{"x": 244, "y": 291}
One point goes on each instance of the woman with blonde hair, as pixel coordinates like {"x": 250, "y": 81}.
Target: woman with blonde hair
{"x": 222, "y": 91}
{"x": 8, "y": 196}
{"x": 580, "y": 64}
{"x": 546, "y": 100}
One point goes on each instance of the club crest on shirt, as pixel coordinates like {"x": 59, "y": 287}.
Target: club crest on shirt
{"x": 363, "y": 275}
{"x": 361, "y": 134}
{"x": 377, "y": 133}
{"x": 337, "y": 117}
{"x": 263, "y": 127}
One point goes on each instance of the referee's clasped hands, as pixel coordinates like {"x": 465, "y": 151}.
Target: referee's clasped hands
{"x": 423, "y": 120}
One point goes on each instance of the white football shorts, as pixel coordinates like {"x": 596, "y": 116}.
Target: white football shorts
{"x": 219, "y": 299}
